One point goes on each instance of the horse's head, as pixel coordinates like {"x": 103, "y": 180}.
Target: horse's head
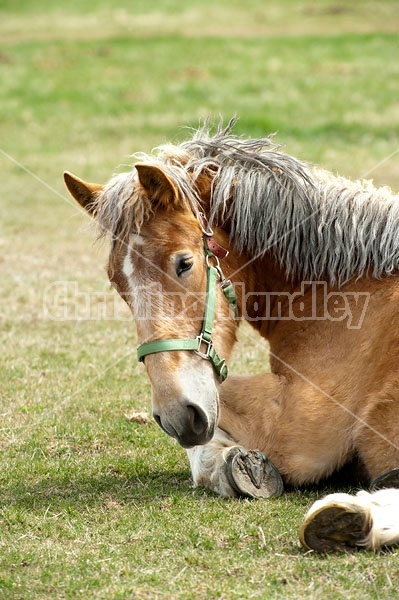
{"x": 162, "y": 268}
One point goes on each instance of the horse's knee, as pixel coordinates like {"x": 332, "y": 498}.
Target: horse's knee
{"x": 250, "y": 408}
{"x": 241, "y": 392}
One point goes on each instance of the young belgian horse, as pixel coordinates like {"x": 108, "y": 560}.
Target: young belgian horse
{"x": 312, "y": 265}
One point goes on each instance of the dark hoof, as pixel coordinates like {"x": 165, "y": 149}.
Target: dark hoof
{"x": 252, "y": 474}
{"x": 390, "y": 479}
{"x": 335, "y": 528}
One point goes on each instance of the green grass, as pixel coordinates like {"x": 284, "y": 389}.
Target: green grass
{"x": 93, "y": 505}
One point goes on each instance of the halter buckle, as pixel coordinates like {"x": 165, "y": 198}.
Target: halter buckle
{"x": 208, "y": 347}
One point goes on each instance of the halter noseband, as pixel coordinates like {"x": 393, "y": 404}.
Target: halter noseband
{"x": 202, "y": 344}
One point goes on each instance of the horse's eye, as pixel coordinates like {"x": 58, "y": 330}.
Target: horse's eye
{"x": 183, "y": 264}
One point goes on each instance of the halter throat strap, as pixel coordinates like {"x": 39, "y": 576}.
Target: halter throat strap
{"x": 202, "y": 344}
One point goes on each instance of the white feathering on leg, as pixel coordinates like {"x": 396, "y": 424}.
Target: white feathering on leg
{"x": 384, "y": 508}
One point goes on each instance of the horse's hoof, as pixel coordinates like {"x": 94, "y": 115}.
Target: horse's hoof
{"x": 252, "y": 474}
{"x": 390, "y": 479}
{"x": 335, "y": 528}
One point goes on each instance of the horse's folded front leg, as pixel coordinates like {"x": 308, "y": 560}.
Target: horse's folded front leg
{"x": 232, "y": 471}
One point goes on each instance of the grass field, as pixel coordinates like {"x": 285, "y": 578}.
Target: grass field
{"x": 93, "y": 504}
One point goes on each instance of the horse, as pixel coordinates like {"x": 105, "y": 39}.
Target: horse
{"x": 220, "y": 229}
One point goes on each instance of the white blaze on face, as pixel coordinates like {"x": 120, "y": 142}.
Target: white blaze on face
{"x": 128, "y": 268}
{"x": 133, "y": 277}
{"x": 135, "y": 241}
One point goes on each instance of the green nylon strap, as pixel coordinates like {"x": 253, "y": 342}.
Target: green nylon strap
{"x": 210, "y": 304}
{"x": 164, "y": 345}
{"x": 229, "y": 292}
{"x": 219, "y": 364}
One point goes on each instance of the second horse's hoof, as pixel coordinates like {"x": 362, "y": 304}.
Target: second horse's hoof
{"x": 335, "y": 527}
{"x": 390, "y": 479}
{"x": 252, "y": 474}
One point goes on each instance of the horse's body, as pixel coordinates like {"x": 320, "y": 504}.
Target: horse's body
{"x": 314, "y": 260}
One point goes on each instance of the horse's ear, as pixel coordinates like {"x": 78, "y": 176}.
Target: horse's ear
{"x": 156, "y": 184}
{"x": 84, "y": 193}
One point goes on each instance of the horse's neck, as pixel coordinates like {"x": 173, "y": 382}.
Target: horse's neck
{"x": 262, "y": 288}
{"x": 256, "y": 273}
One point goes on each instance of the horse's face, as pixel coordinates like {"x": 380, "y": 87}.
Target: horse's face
{"x": 161, "y": 273}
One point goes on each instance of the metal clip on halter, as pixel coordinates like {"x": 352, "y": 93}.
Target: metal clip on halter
{"x": 203, "y": 342}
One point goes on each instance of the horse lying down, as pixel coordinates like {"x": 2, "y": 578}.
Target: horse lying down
{"x": 221, "y": 229}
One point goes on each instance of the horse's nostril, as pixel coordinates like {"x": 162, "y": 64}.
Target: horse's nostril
{"x": 197, "y": 419}
{"x": 189, "y": 425}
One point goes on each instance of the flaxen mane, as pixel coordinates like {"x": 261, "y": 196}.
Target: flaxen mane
{"x": 317, "y": 225}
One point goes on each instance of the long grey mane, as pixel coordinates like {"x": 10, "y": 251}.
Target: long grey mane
{"x": 316, "y": 225}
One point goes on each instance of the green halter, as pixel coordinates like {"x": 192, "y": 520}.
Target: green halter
{"x": 202, "y": 344}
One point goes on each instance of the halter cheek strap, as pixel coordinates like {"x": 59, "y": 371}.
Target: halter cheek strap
{"x": 202, "y": 344}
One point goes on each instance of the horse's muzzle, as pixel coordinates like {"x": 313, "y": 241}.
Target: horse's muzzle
{"x": 188, "y": 424}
